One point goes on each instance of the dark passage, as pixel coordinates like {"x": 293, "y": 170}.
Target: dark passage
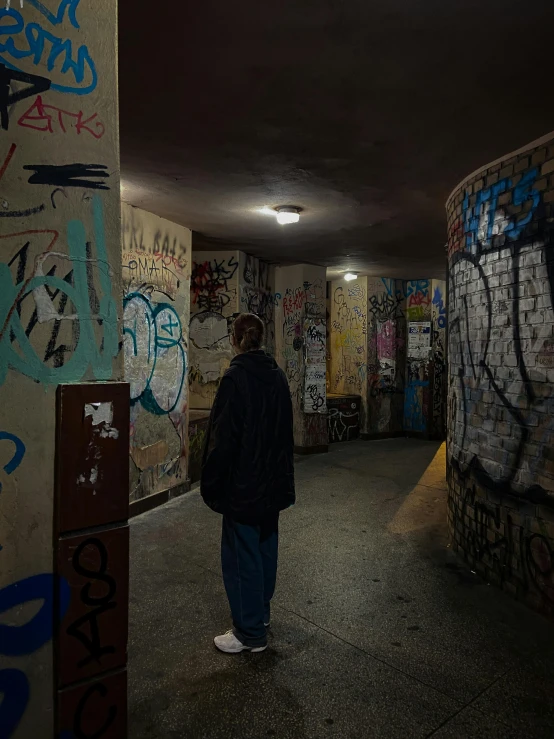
{"x": 377, "y": 629}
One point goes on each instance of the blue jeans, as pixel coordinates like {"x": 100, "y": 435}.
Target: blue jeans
{"x": 249, "y": 565}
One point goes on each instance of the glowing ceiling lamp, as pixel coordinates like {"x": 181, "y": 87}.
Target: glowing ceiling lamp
{"x": 287, "y": 214}
{"x": 349, "y": 276}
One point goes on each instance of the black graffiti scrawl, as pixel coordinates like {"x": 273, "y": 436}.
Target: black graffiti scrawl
{"x": 501, "y": 373}
{"x": 33, "y": 85}
{"x": 500, "y": 328}
{"x": 90, "y": 176}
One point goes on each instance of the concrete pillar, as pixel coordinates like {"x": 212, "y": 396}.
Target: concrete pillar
{"x": 156, "y": 315}
{"x": 386, "y": 336}
{"x": 256, "y": 292}
{"x": 439, "y": 318}
{"x": 300, "y": 328}
{"x": 223, "y": 284}
{"x": 424, "y": 394}
{"x": 501, "y": 372}
{"x": 60, "y": 288}
{"x": 214, "y": 300}
{"x": 348, "y": 341}
{"x": 400, "y": 380}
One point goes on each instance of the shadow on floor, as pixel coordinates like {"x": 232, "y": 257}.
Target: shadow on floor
{"x": 378, "y": 630}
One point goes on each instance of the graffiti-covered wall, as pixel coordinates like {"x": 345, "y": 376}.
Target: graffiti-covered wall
{"x": 256, "y": 291}
{"x": 300, "y": 349}
{"x": 60, "y": 297}
{"x": 424, "y": 394}
{"x": 156, "y": 296}
{"x": 223, "y": 284}
{"x": 386, "y": 356}
{"x": 348, "y": 340}
{"x": 439, "y": 320}
{"x": 214, "y": 298}
{"x": 501, "y": 360}
{"x": 387, "y": 344}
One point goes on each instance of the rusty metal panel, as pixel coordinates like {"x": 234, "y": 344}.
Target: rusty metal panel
{"x": 92, "y": 453}
{"x": 93, "y": 634}
{"x": 96, "y": 709}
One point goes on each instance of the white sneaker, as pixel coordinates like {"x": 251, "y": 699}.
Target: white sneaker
{"x": 231, "y": 645}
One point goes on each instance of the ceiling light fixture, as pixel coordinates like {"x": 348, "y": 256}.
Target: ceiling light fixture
{"x": 349, "y": 276}
{"x": 287, "y": 214}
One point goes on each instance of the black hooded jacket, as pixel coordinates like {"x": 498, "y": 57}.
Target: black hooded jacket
{"x": 248, "y": 464}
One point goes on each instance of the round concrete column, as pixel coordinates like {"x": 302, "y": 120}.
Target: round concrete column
{"x": 501, "y": 372}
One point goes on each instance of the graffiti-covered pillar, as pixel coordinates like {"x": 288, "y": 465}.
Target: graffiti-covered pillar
{"x": 224, "y": 283}
{"x": 256, "y": 292}
{"x": 60, "y": 300}
{"x": 386, "y": 355}
{"x": 501, "y": 372}
{"x": 156, "y": 312}
{"x": 214, "y": 299}
{"x": 348, "y": 341}
{"x": 300, "y": 349}
{"x": 424, "y": 391}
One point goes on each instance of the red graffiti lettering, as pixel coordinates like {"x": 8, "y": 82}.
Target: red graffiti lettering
{"x": 49, "y": 118}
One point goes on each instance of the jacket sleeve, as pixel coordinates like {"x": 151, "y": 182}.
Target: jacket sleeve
{"x": 222, "y": 446}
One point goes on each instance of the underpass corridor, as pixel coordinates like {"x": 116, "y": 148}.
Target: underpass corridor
{"x": 377, "y": 628}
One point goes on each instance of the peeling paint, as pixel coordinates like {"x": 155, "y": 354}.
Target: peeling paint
{"x": 100, "y": 412}
{"x": 148, "y": 456}
{"x": 92, "y": 479}
{"x": 102, "y": 415}
{"x": 46, "y": 310}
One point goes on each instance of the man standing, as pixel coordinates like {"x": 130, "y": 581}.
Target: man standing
{"x": 248, "y": 476}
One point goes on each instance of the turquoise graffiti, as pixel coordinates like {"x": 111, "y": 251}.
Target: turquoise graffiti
{"x": 73, "y": 69}
{"x": 90, "y": 350}
{"x": 155, "y": 357}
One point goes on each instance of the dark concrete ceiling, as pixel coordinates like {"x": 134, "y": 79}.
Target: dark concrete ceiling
{"x": 366, "y": 113}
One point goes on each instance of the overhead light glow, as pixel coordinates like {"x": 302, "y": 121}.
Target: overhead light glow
{"x": 287, "y": 215}
{"x": 349, "y": 276}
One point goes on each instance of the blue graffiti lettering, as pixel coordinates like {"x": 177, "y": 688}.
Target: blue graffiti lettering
{"x": 438, "y": 301}
{"x": 43, "y": 47}
{"x": 25, "y": 639}
{"x": 414, "y": 418}
{"x": 155, "y": 359}
{"x": 413, "y": 287}
{"x": 18, "y": 454}
{"x": 14, "y": 686}
{"x": 388, "y": 282}
{"x": 481, "y": 222}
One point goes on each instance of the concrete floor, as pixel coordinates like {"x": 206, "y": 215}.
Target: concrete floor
{"x": 377, "y": 629}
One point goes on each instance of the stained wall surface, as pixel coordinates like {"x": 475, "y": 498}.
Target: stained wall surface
{"x": 400, "y": 380}
{"x": 156, "y": 307}
{"x": 222, "y": 285}
{"x": 214, "y": 299}
{"x": 424, "y": 393}
{"x": 501, "y": 372}
{"x": 257, "y": 294}
{"x": 347, "y": 326}
{"x": 386, "y": 368}
{"x": 60, "y": 288}
{"x": 300, "y": 349}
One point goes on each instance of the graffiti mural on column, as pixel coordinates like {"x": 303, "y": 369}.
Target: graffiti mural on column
{"x": 60, "y": 301}
{"x": 156, "y": 297}
{"x": 500, "y": 394}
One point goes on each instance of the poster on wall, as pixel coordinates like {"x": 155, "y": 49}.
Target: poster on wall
{"x": 315, "y": 375}
{"x": 419, "y": 339}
